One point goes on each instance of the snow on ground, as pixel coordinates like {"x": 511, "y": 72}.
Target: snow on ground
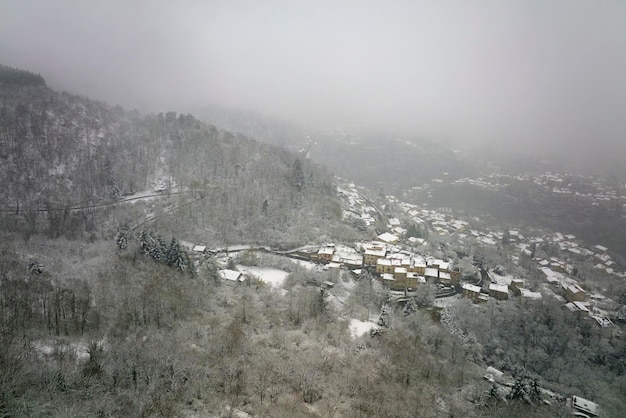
{"x": 338, "y": 301}
{"x": 47, "y": 349}
{"x": 487, "y": 241}
{"x": 445, "y": 302}
{"x": 141, "y": 195}
{"x": 348, "y": 285}
{"x": 551, "y": 275}
{"x": 502, "y": 280}
{"x": 306, "y": 264}
{"x": 358, "y": 328}
{"x": 271, "y": 276}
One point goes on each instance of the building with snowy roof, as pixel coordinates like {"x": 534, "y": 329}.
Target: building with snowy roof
{"x": 373, "y": 253}
{"x": 383, "y": 265}
{"x": 529, "y": 294}
{"x": 231, "y": 276}
{"x": 388, "y": 238}
{"x": 573, "y": 292}
{"x": 471, "y": 291}
{"x": 498, "y": 291}
{"x": 584, "y": 407}
{"x": 326, "y": 253}
{"x": 430, "y": 272}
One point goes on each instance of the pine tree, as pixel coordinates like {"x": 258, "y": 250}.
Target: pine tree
{"x": 518, "y": 391}
{"x": 122, "y": 240}
{"x": 153, "y": 245}
{"x": 143, "y": 242}
{"x": 160, "y": 249}
{"x": 173, "y": 254}
{"x": 384, "y": 320}
{"x": 410, "y": 307}
{"x": 535, "y": 391}
{"x": 322, "y": 302}
{"x": 156, "y": 248}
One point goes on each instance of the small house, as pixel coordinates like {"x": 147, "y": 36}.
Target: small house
{"x": 515, "y": 285}
{"x": 584, "y": 407}
{"x": 231, "y": 276}
{"x": 493, "y": 375}
{"x": 373, "y": 253}
{"x": 352, "y": 261}
{"x": 413, "y": 280}
{"x": 471, "y": 291}
{"x": 326, "y": 254}
{"x": 201, "y": 249}
{"x": 529, "y": 294}
{"x": 577, "y": 308}
{"x": 388, "y": 238}
{"x": 573, "y": 292}
{"x": 383, "y": 265}
{"x": 418, "y": 267}
{"x": 498, "y": 291}
{"x": 432, "y": 273}
{"x": 387, "y": 278}
{"x": 399, "y": 273}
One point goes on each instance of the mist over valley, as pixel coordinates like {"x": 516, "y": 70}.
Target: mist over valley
{"x": 312, "y": 209}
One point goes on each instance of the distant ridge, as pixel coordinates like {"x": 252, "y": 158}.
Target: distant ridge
{"x": 65, "y": 159}
{"x": 16, "y": 77}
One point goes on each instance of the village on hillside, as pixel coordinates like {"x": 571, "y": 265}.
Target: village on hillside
{"x": 423, "y": 247}
{"x": 402, "y": 262}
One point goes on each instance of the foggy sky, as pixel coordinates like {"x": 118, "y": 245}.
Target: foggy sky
{"x": 543, "y": 73}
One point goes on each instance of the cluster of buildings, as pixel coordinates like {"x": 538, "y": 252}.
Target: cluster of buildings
{"x": 499, "y": 288}
{"x": 403, "y": 270}
{"x": 397, "y": 269}
{"x": 567, "y": 252}
{"x": 394, "y": 257}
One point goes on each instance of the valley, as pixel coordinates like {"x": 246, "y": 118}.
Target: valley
{"x": 156, "y": 265}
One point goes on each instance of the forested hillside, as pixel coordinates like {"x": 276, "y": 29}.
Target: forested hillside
{"x": 61, "y": 152}
{"x": 94, "y": 327}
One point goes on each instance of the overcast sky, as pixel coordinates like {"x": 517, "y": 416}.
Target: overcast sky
{"x": 537, "y": 72}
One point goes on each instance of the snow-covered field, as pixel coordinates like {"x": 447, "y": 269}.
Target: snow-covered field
{"x": 358, "y": 327}
{"x": 271, "y": 276}
{"x": 48, "y": 349}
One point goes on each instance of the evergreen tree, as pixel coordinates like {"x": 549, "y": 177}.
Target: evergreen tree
{"x": 322, "y": 302}
{"x": 518, "y": 391}
{"x": 143, "y": 242}
{"x": 535, "y": 391}
{"x": 160, "y": 249}
{"x": 410, "y": 307}
{"x": 384, "y": 320}
{"x": 178, "y": 258}
{"x": 122, "y": 238}
{"x": 173, "y": 255}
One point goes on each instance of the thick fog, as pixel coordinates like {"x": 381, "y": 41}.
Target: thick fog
{"x": 526, "y": 73}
